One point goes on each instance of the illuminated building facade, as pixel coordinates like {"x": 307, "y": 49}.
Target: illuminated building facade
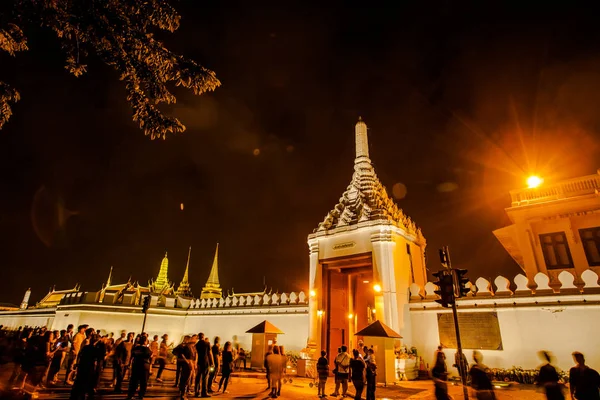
{"x": 363, "y": 258}
{"x": 555, "y": 228}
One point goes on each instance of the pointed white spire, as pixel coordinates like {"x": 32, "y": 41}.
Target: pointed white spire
{"x": 362, "y": 141}
{"x": 25, "y": 302}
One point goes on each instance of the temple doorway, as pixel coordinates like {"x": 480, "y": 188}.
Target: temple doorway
{"x": 349, "y": 301}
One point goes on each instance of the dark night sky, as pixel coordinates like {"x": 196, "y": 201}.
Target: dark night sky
{"x": 464, "y": 93}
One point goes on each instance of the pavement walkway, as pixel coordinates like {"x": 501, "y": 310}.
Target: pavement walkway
{"x": 253, "y": 386}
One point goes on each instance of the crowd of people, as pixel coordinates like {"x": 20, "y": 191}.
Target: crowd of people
{"x": 360, "y": 368}
{"x": 584, "y": 382}
{"x": 38, "y": 355}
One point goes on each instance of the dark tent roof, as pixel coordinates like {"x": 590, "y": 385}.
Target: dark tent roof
{"x": 378, "y": 329}
{"x": 265, "y": 327}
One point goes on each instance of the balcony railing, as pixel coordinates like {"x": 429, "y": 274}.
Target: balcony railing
{"x": 561, "y": 190}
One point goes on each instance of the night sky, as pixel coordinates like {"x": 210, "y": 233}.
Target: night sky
{"x": 462, "y": 101}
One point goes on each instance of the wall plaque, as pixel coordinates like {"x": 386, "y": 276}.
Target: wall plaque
{"x": 346, "y": 245}
{"x": 478, "y": 330}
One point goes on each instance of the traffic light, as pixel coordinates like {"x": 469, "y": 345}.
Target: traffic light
{"x": 445, "y": 284}
{"x": 146, "y": 304}
{"x": 460, "y": 282}
{"x": 444, "y": 259}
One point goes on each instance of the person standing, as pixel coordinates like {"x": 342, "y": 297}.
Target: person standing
{"x": 154, "y": 347}
{"x": 122, "y": 358}
{"x": 57, "y": 359}
{"x": 216, "y": 353}
{"x": 184, "y": 359}
{"x": 141, "y": 357}
{"x": 323, "y": 372}
{"x": 439, "y": 374}
{"x": 357, "y": 373}
{"x": 76, "y": 344}
{"x": 266, "y": 365}
{"x": 227, "y": 367}
{"x": 371, "y": 374}
{"x": 284, "y": 361}
{"x": 87, "y": 362}
{"x": 584, "y": 381}
{"x": 342, "y": 369}
{"x": 548, "y": 378}
{"x": 163, "y": 352}
{"x": 480, "y": 378}
{"x": 274, "y": 362}
{"x": 462, "y": 365}
{"x": 241, "y": 358}
{"x": 205, "y": 361}
{"x": 192, "y": 345}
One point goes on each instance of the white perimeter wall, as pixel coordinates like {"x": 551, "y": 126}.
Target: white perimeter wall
{"x": 14, "y": 320}
{"x": 226, "y": 327}
{"x": 175, "y": 323}
{"x": 525, "y": 331}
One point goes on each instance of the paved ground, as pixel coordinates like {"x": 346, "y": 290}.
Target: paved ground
{"x": 253, "y": 386}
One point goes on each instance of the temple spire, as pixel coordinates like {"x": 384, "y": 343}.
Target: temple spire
{"x": 212, "y": 289}
{"x": 108, "y": 281}
{"x": 25, "y": 302}
{"x": 184, "y": 287}
{"x": 362, "y": 141}
{"x": 162, "y": 280}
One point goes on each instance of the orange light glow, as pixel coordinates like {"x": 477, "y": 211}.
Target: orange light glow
{"x": 350, "y": 316}
{"x": 377, "y": 288}
{"x": 534, "y": 181}
{"x": 312, "y": 293}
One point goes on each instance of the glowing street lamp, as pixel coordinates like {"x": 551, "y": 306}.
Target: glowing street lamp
{"x": 312, "y": 293}
{"x": 350, "y": 316}
{"x": 320, "y": 313}
{"x": 377, "y": 288}
{"x": 534, "y": 181}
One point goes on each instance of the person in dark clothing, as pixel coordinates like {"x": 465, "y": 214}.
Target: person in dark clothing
{"x": 584, "y": 381}
{"x": 216, "y": 353}
{"x": 179, "y": 362}
{"x": 227, "y": 367}
{"x": 86, "y": 363}
{"x": 184, "y": 359}
{"x": 480, "y": 379}
{"x": 205, "y": 361}
{"x": 35, "y": 362}
{"x": 439, "y": 374}
{"x": 122, "y": 358}
{"x": 371, "y": 374}
{"x": 140, "y": 368}
{"x": 357, "y": 373}
{"x": 266, "y": 365}
{"x": 323, "y": 371}
{"x": 548, "y": 379}
{"x": 57, "y": 359}
{"x": 462, "y": 365}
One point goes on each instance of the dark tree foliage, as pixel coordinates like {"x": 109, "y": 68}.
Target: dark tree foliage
{"x": 120, "y": 33}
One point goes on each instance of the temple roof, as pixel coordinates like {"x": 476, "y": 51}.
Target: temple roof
{"x": 265, "y": 327}
{"x": 365, "y": 198}
{"x": 378, "y": 329}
